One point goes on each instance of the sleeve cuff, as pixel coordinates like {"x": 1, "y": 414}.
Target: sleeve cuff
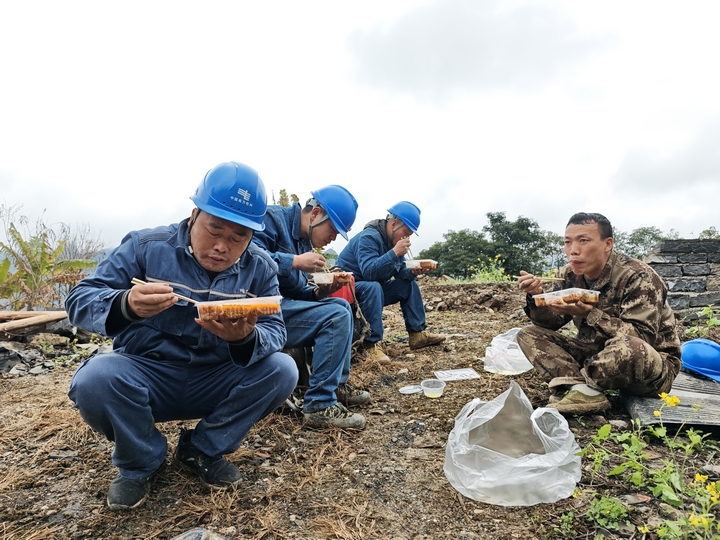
{"x": 594, "y": 317}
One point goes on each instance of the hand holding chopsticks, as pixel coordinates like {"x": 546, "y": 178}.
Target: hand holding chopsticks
{"x": 136, "y": 281}
{"x": 543, "y": 278}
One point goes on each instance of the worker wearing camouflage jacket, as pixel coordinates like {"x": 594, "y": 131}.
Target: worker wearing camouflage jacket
{"x": 627, "y": 341}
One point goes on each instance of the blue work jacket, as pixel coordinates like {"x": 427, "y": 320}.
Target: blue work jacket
{"x": 370, "y": 258}
{"x": 162, "y": 255}
{"x": 281, "y": 238}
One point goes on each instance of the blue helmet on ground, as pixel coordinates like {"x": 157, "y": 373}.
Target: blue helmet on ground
{"x": 408, "y": 213}
{"x": 702, "y": 356}
{"x": 339, "y": 205}
{"x": 234, "y": 192}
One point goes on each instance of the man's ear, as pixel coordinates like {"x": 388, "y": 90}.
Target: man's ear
{"x": 609, "y": 242}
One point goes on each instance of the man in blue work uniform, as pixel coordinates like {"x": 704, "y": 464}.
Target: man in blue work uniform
{"x": 376, "y": 257}
{"x": 167, "y": 364}
{"x": 293, "y": 235}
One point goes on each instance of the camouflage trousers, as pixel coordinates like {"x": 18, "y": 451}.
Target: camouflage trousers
{"x": 622, "y": 363}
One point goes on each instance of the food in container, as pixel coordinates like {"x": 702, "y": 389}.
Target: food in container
{"x": 421, "y": 263}
{"x": 343, "y": 277}
{"x": 567, "y": 296}
{"x": 238, "y": 309}
{"x": 323, "y": 278}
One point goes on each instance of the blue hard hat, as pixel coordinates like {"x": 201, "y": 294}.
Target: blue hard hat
{"x": 234, "y": 192}
{"x": 408, "y": 213}
{"x": 339, "y": 205}
{"x": 702, "y": 356}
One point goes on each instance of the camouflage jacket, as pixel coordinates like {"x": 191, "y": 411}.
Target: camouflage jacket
{"x": 633, "y": 301}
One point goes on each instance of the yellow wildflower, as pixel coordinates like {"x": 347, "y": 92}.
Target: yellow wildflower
{"x": 670, "y": 401}
{"x": 692, "y": 519}
{"x": 700, "y": 478}
{"x": 656, "y": 413}
{"x": 644, "y": 529}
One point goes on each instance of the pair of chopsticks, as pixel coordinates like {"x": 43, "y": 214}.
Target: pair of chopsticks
{"x": 136, "y": 281}
{"x": 544, "y": 278}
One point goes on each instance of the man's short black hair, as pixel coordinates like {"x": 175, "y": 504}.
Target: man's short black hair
{"x": 582, "y": 218}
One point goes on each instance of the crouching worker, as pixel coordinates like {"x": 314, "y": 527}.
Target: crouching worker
{"x": 167, "y": 364}
{"x": 376, "y": 257}
{"x": 292, "y": 235}
{"x": 627, "y": 341}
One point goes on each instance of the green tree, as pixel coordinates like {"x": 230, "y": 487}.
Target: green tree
{"x": 521, "y": 244}
{"x": 285, "y": 199}
{"x": 458, "y": 254}
{"x": 710, "y": 233}
{"x": 640, "y": 241}
{"x": 37, "y": 260}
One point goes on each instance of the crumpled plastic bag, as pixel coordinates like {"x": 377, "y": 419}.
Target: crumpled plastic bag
{"x": 502, "y": 452}
{"x": 504, "y": 355}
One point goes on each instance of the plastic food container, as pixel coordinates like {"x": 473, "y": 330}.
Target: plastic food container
{"x": 421, "y": 263}
{"x": 323, "y": 278}
{"x": 433, "y": 388}
{"x": 567, "y": 296}
{"x": 237, "y": 309}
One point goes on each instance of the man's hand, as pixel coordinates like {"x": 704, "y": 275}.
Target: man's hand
{"x": 529, "y": 284}
{"x": 150, "y": 299}
{"x": 309, "y": 262}
{"x": 230, "y": 329}
{"x": 402, "y": 246}
{"x": 419, "y": 271}
{"x": 576, "y": 309}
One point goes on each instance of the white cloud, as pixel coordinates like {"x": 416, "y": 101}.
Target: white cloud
{"x": 459, "y": 45}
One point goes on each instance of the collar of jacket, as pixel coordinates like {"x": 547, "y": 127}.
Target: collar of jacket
{"x": 380, "y": 225}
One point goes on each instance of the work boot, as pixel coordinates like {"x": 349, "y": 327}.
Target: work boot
{"x": 575, "y": 402}
{"x": 336, "y": 415}
{"x": 213, "y": 471}
{"x": 130, "y": 493}
{"x": 349, "y": 395}
{"x": 373, "y": 351}
{"x": 418, "y": 340}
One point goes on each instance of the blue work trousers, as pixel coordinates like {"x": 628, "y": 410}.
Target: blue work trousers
{"x": 123, "y": 396}
{"x": 326, "y": 327}
{"x": 373, "y": 296}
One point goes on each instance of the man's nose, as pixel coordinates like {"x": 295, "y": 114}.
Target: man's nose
{"x": 220, "y": 246}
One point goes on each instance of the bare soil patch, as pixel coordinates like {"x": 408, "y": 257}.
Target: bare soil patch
{"x": 385, "y": 482}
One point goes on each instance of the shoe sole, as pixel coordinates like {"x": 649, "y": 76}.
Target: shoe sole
{"x": 322, "y": 423}
{"x": 580, "y": 408}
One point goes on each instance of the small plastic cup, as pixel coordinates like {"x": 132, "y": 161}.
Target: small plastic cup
{"x": 433, "y": 388}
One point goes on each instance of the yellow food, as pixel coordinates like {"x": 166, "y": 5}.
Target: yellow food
{"x": 589, "y": 297}
{"x": 343, "y": 277}
{"x": 428, "y": 264}
{"x": 212, "y": 312}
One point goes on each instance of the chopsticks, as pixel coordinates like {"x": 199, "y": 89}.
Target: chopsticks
{"x": 136, "y": 281}
{"x": 545, "y": 278}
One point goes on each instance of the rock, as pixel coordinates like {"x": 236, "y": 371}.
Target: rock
{"x": 52, "y": 340}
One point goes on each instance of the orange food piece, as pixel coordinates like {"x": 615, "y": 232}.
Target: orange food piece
{"x": 212, "y": 312}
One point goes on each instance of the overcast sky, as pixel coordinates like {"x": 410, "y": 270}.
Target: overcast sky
{"x": 111, "y": 113}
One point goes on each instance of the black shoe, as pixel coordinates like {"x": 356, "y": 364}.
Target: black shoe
{"x": 213, "y": 471}
{"x": 129, "y": 493}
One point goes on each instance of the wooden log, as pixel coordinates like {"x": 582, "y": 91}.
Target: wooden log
{"x": 42, "y": 318}
{"x": 14, "y": 315}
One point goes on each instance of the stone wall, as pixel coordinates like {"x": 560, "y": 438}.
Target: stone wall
{"x": 691, "y": 269}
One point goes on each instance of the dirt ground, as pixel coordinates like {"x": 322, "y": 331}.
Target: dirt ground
{"x": 385, "y": 482}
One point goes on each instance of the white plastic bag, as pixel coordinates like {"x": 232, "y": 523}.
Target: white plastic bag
{"x": 502, "y": 452}
{"x": 504, "y": 356}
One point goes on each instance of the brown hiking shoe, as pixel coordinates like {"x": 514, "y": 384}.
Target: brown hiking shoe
{"x": 575, "y": 402}
{"x": 337, "y": 415}
{"x": 418, "y": 340}
{"x": 373, "y": 351}
{"x": 349, "y": 395}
